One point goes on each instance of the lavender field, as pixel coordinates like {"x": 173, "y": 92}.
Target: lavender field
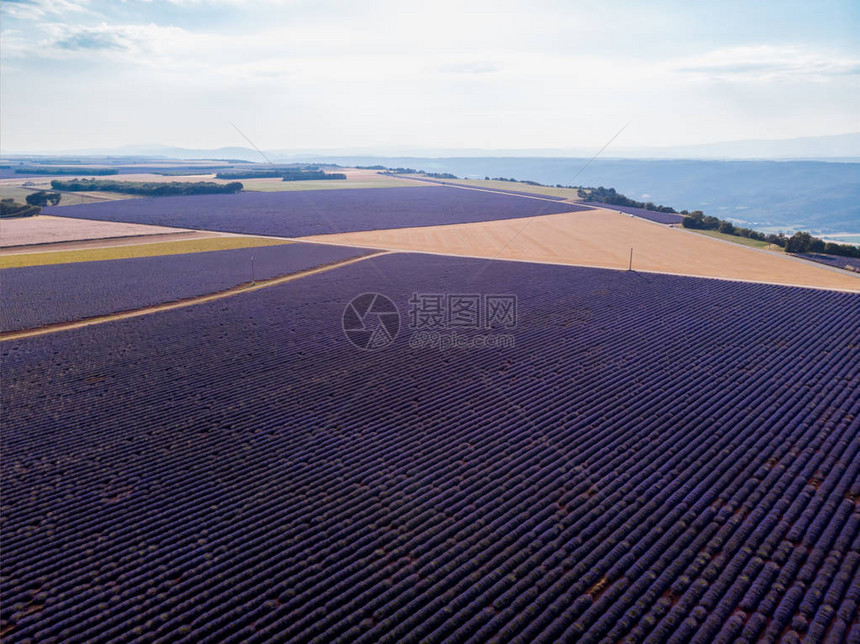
{"x": 317, "y": 212}
{"x": 657, "y": 459}
{"x": 36, "y": 296}
{"x": 846, "y": 263}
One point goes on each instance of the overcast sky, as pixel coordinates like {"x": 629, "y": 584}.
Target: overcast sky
{"x": 296, "y": 74}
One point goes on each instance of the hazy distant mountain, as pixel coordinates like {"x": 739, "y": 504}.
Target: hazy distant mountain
{"x": 844, "y": 146}
{"x": 841, "y": 146}
{"x": 171, "y": 152}
{"x": 146, "y": 152}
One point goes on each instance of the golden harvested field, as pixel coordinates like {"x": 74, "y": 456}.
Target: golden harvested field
{"x": 44, "y": 229}
{"x": 135, "y": 250}
{"x": 604, "y": 238}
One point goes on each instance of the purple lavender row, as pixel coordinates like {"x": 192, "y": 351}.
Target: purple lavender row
{"x": 847, "y": 263}
{"x": 657, "y": 458}
{"x": 36, "y": 296}
{"x": 316, "y": 212}
{"x": 659, "y": 217}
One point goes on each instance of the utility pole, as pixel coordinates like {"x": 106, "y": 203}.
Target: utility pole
{"x": 630, "y": 267}
{"x": 253, "y": 278}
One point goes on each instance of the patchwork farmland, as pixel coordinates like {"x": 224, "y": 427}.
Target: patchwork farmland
{"x": 648, "y": 457}
{"x": 658, "y": 458}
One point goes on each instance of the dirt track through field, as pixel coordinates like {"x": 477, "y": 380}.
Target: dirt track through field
{"x": 236, "y": 290}
{"x": 603, "y": 238}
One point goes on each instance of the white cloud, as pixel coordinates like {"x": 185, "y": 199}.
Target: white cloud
{"x": 489, "y": 74}
{"x": 767, "y": 62}
{"x": 471, "y": 67}
{"x": 39, "y": 9}
{"x": 140, "y": 43}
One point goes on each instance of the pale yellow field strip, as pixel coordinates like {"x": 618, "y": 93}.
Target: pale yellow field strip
{"x": 245, "y": 288}
{"x": 603, "y": 238}
{"x": 112, "y": 241}
{"x": 126, "y": 251}
{"x": 45, "y": 229}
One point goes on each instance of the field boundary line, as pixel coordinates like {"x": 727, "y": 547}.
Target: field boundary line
{"x": 178, "y": 304}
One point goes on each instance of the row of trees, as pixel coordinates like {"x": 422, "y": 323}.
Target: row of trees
{"x": 610, "y": 196}
{"x": 386, "y": 170}
{"x": 525, "y": 181}
{"x": 800, "y": 242}
{"x": 149, "y": 189}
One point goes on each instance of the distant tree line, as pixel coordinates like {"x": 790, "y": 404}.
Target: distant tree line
{"x": 285, "y": 175}
{"x": 525, "y": 181}
{"x": 697, "y": 220}
{"x": 800, "y": 242}
{"x": 63, "y": 171}
{"x": 149, "y": 189}
{"x": 11, "y": 208}
{"x": 403, "y": 171}
{"x": 386, "y": 170}
{"x": 610, "y": 196}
